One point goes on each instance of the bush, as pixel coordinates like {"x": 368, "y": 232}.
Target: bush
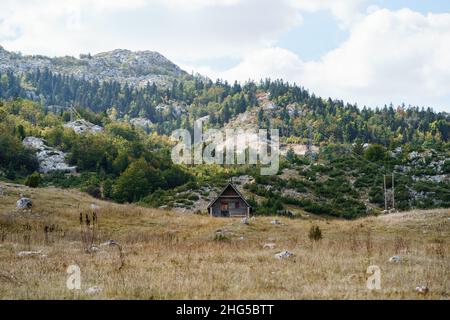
{"x": 376, "y": 195}
{"x": 91, "y": 186}
{"x": 108, "y": 188}
{"x": 375, "y": 152}
{"x": 132, "y": 185}
{"x": 93, "y": 190}
{"x": 446, "y": 167}
{"x": 193, "y": 197}
{"x": 33, "y": 180}
{"x": 315, "y": 234}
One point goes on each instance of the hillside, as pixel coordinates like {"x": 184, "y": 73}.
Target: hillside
{"x": 136, "y": 68}
{"x": 177, "y": 256}
{"x": 162, "y": 108}
{"x": 118, "y": 161}
{"x": 334, "y": 156}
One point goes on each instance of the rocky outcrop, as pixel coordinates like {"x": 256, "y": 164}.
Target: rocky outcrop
{"x": 50, "y": 159}
{"x": 134, "y": 67}
{"x": 82, "y": 126}
{"x": 172, "y": 108}
{"x": 141, "y": 122}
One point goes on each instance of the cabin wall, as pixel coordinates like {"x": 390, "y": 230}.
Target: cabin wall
{"x": 233, "y": 210}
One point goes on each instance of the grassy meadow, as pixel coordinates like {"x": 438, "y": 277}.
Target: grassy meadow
{"x": 167, "y": 255}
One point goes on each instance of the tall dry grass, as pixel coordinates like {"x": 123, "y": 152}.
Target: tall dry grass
{"x": 177, "y": 256}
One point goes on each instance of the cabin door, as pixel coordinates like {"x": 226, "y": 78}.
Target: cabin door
{"x": 224, "y": 211}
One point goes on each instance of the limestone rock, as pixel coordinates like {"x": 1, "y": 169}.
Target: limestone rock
{"x": 395, "y": 259}
{"x": 29, "y": 253}
{"x": 50, "y": 159}
{"x": 93, "y": 290}
{"x": 82, "y": 126}
{"x": 284, "y": 255}
{"x": 422, "y": 290}
{"x": 24, "y": 203}
{"x": 141, "y": 122}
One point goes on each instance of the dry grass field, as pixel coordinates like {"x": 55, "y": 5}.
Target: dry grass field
{"x": 176, "y": 256}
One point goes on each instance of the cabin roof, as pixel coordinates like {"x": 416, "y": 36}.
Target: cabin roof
{"x": 223, "y": 190}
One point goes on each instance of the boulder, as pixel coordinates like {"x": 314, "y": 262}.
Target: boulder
{"x": 284, "y": 254}
{"x": 269, "y": 245}
{"x": 24, "y": 203}
{"x": 422, "y": 290}
{"x": 93, "y": 290}
{"x": 395, "y": 259}
{"x": 93, "y": 248}
{"x": 109, "y": 243}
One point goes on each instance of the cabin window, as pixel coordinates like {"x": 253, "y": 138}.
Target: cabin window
{"x": 224, "y": 206}
{"x": 237, "y": 205}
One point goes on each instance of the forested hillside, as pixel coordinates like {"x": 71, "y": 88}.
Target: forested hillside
{"x": 291, "y": 108}
{"x": 128, "y": 158}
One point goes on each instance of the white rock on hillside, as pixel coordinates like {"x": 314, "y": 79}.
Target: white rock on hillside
{"x": 141, "y": 122}
{"x": 50, "y": 159}
{"x": 82, "y": 126}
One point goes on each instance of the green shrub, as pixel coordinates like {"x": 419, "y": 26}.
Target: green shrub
{"x": 108, "y": 188}
{"x": 446, "y": 167}
{"x": 376, "y": 195}
{"x": 193, "y": 197}
{"x": 33, "y": 180}
{"x": 93, "y": 190}
{"x": 375, "y": 152}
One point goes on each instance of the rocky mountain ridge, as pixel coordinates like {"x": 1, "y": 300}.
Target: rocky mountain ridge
{"x": 134, "y": 67}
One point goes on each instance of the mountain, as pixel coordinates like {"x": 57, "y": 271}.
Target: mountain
{"x": 134, "y": 67}
{"x": 350, "y": 149}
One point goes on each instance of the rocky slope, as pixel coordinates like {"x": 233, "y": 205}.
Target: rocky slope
{"x": 137, "y": 68}
{"x": 50, "y": 159}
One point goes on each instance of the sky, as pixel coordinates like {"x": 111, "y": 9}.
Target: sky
{"x": 369, "y": 52}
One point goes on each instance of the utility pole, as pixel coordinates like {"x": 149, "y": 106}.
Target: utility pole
{"x": 385, "y": 193}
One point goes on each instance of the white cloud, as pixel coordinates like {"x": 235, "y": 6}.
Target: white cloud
{"x": 203, "y": 29}
{"x": 199, "y": 4}
{"x": 346, "y": 11}
{"x": 182, "y": 30}
{"x": 271, "y": 62}
{"x": 398, "y": 56}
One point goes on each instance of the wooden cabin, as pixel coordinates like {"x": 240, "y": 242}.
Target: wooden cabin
{"x": 229, "y": 203}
